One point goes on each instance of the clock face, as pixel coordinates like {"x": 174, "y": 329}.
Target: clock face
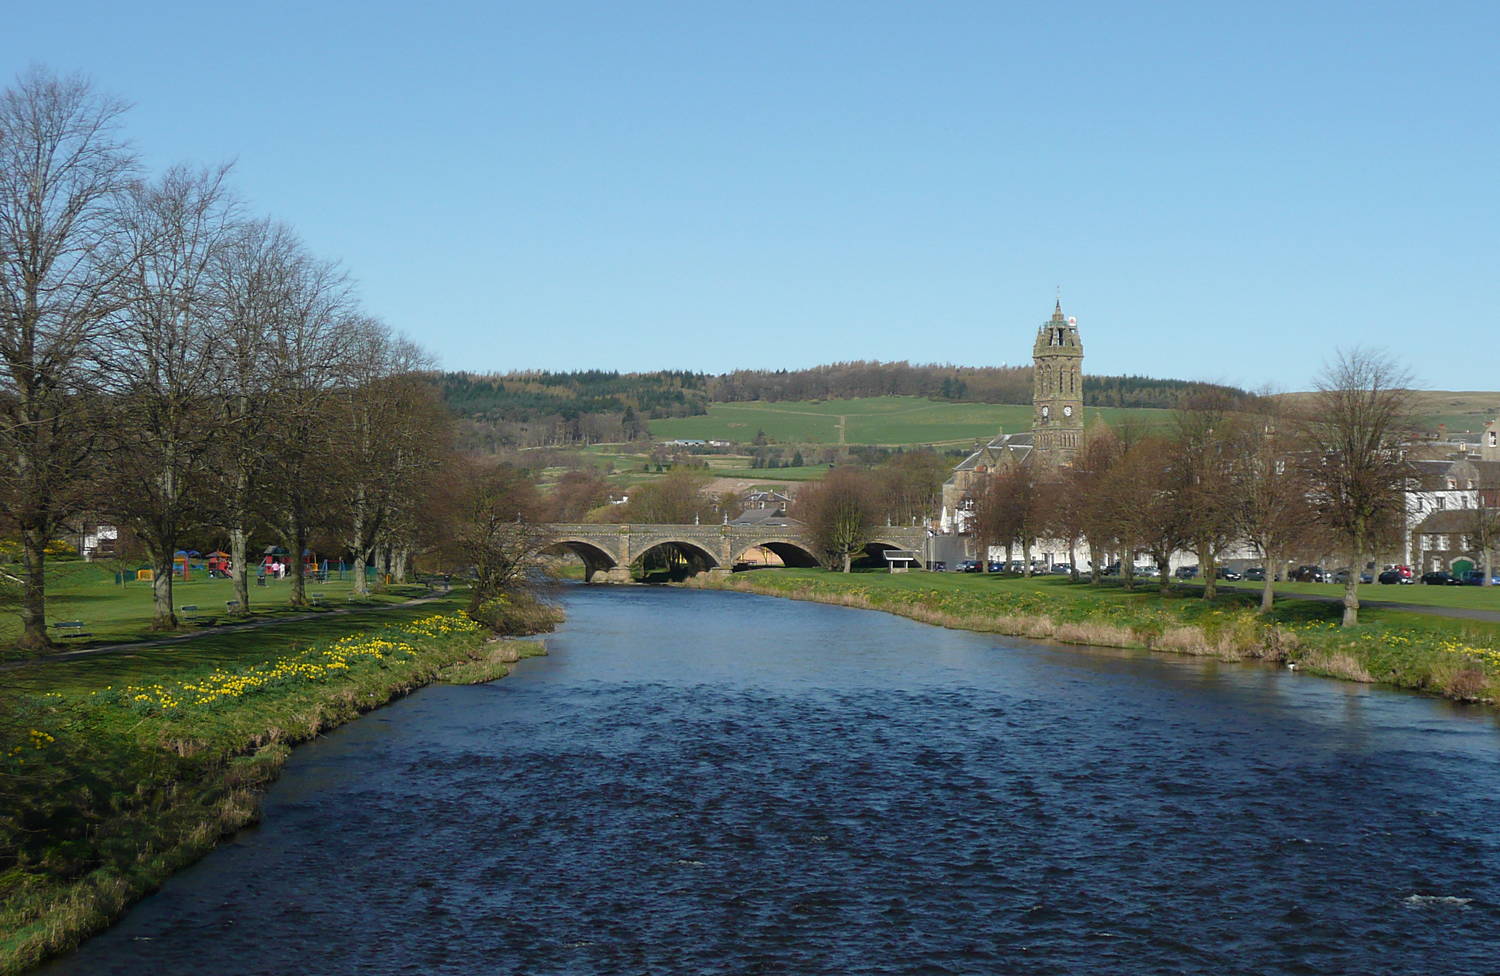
{"x": 1045, "y": 412}
{"x": 1067, "y": 411}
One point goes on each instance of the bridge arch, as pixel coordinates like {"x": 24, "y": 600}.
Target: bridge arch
{"x": 791, "y": 552}
{"x": 596, "y": 559}
{"x": 675, "y": 554}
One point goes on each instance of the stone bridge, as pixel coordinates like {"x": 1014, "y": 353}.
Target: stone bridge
{"x": 611, "y": 549}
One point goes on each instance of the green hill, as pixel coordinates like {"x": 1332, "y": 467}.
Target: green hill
{"x": 888, "y": 421}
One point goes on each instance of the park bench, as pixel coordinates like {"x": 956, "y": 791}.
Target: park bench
{"x": 317, "y": 600}
{"x": 70, "y": 628}
{"x": 231, "y": 606}
{"x": 190, "y": 613}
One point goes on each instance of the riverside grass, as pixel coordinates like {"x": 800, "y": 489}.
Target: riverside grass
{"x": 1457, "y": 659}
{"x": 118, "y": 770}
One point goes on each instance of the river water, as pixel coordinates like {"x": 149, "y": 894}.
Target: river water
{"x": 698, "y": 782}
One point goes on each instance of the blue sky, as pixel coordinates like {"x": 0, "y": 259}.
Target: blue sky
{"x": 1223, "y": 191}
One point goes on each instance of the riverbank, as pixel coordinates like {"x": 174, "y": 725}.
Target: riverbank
{"x": 118, "y": 770}
{"x": 1457, "y": 659}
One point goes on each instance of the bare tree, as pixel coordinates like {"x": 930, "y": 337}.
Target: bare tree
{"x": 386, "y": 418}
{"x": 62, "y": 167}
{"x": 1208, "y": 453}
{"x": 1089, "y": 480}
{"x": 1355, "y": 426}
{"x": 1270, "y": 494}
{"x": 305, "y": 371}
{"x": 492, "y": 527}
{"x": 255, "y": 276}
{"x": 839, "y": 512}
{"x": 168, "y": 367}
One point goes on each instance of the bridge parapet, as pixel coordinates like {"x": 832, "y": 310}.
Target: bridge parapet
{"x": 612, "y": 547}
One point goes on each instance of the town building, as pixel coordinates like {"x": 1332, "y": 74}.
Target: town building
{"x": 1056, "y": 433}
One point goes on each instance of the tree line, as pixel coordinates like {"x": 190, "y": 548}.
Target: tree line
{"x": 544, "y": 409}
{"x": 1326, "y": 475}
{"x": 176, "y": 366}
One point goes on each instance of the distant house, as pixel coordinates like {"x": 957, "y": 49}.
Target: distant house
{"x": 767, "y": 499}
{"x": 97, "y": 540}
{"x": 1443, "y": 541}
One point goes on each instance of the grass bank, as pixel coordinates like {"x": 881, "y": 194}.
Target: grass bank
{"x": 117, "y": 770}
{"x": 1458, "y": 659}
{"x": 114, "y": 613}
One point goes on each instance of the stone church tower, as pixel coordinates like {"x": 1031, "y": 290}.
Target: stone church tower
{"x": 1057, "y": 389}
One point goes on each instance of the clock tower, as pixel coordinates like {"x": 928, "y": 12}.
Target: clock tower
{"x": 1057, "y": 389}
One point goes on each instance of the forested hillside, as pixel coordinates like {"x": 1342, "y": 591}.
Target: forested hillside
{"x": 536, "y": 409}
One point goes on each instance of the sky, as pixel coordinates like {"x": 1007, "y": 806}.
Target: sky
{"x": 1222, "y": 191}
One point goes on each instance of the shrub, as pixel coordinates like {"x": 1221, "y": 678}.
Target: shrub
{"x": 516, "y": 613}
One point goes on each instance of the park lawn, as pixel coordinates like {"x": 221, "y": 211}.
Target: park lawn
{"x": 1459, "y": 597}
{"x": 888, "y": 421}
{"x": 115, "y": 613}
{"x": 1447, "y": 656}
{"x": 124, "y": 767}
{"x": 741, "y": 469}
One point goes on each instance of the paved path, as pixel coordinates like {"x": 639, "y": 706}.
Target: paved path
{"x": 217, "y": 629}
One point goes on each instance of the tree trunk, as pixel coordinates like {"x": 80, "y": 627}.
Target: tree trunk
{"x": 398, "y": 568}
{"x": 1008, "y": 554}
{"x": 1268, "y": 588}
{"x": 1210, "y": 568}
{"x": 1164, "y": 574}
{"x": 361, "y": 581}
{"x": 162, "y": 616}
{"x": 298, "y": 597}
{"x": 1026, "y": 558}
{"x": 1073, "y": 558}
{"x": 239, "y": 568}
{"x": 848, "y": 558}
{"x": 1351, "y": 587}
{"x": 34, "y": 592}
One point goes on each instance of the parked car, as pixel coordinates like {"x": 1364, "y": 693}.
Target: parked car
{"x": 1186, "y": 572}
{"x": 1113, "y": 569}
{"x": 1225, "y": 573}
{"x": 1393, "y": 576}
{"x": 1145, "y": 571}
{"x": 938, "y": 566}
{"x": 995, "y": 566}
{"x": 1061, "y": 569}
{"x": 1257, "y": 573}
{"x": 969, "y": 566}
{"x": 1310, "y": 574}
{"x": 1441, "y": 578}
{"x": 1475, "y": 577}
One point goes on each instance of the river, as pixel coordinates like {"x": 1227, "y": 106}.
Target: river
{"x": 702, "y": 782}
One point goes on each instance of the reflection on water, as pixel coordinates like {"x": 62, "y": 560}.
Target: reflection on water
{"x": 718, "y": 783}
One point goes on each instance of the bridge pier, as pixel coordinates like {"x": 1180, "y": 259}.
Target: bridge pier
{"x": 615, "y": 574}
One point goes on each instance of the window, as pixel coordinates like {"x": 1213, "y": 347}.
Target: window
{"x": 1493, "y": 437}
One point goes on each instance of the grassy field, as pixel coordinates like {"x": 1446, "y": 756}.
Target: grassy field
{"x": 119, "y": 769}
{"x": 1460, "y": 597}
{"x": 112, "y": 613}
{"x": 1455, "y": 658}
{"x": 891, "y": 421}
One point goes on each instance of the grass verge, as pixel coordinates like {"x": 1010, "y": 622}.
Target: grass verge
{"x": 118, "y": 770}
{"x": 1454, "y": 658}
